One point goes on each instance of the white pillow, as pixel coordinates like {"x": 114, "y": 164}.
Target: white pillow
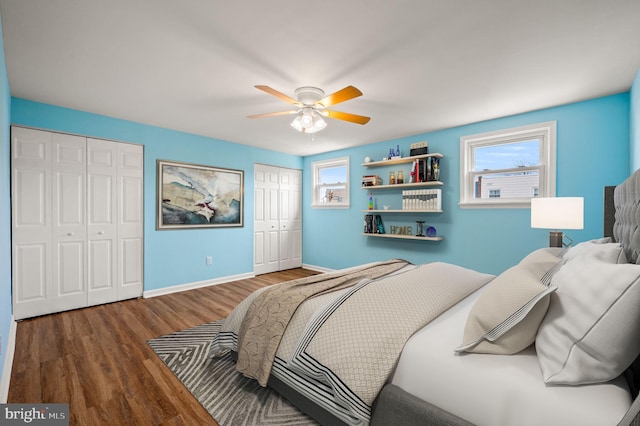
{"x": 506, "y": 316}
{"x": 601, "y": 249}
{"x": 590, "y": 333}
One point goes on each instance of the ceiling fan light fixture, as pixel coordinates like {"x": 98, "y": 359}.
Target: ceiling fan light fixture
{"x": 308, "y": 121}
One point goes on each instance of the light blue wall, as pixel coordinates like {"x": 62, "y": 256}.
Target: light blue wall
{"x": 178, "y": 256}
{"x": 635, "y": 123}
{"x": 5, "y": 208}
{"x": 592, "y": 151}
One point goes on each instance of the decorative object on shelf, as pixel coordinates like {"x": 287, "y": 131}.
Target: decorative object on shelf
{"x": 431, "y": 232}
{"x": 371, "y": 180}
{"x": 435, "y": 168}
{"x": 371, "y": 201}
{"x": 419, "y": 148}
{"x": 386, "y": 207}
{"x": 401, "y": 230}
{"x": 557, "y": 213}
{"x": 367, "y": 159}
{"x": 422, "y": 199}
{"x": 392, "y": 178}
{"x": 368, "y": 224}
{"x": 400, "y": 178}
{"x": 419, "y": 228}
{"x": 379, "y": 225}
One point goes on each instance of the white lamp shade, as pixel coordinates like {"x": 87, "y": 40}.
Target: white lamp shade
{"x": 557, "y": 213}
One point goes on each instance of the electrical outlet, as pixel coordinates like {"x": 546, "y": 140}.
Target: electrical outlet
{"x": 209, "y": 260}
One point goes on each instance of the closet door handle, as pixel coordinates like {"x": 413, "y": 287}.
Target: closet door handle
{"x": 69, "y": 234}
{"x": 100, "y": 232}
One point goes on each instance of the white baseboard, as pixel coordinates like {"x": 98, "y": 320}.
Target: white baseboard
{"x": 194, "y": 285}
{"x": 317, "y": 268}
{"x": 8, "y": 361}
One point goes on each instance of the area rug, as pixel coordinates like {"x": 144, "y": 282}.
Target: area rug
{"x": 228, "y": 396}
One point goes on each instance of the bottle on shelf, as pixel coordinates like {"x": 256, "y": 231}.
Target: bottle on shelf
{"x": 370, "y": 200}
{"x": 400, "y": 178}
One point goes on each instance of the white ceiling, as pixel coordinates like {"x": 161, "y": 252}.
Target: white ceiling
{"x": 422, "y": 65}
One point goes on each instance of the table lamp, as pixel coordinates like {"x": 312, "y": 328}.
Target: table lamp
{"x": 557, "y": 213}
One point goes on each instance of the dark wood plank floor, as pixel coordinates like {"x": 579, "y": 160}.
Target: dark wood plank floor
{"x": 97, "y": 359}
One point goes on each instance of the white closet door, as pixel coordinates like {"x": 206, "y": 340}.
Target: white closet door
{"x": 266, "y": 242}
{"x": 130, "y": 221}
{"x": 69, "y": 221}
{"x": 102, "y": 225}
{"x": 290, "y": 222}
{"x": 31, "y": 222}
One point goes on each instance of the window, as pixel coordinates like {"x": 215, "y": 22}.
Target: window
{"x": 331, "y": 183}
{"x": 507, "y": 168}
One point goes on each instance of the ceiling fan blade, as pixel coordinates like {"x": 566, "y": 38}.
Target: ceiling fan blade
{"x": 278, "y": 95}
{"x": 353, "y": 118}
{"x": 272, "y": 114}
{"x": 345, "y": 94}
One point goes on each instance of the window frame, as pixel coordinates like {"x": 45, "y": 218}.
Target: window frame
{"x": 316, "y": 168}
{"x": 545, "y": 132}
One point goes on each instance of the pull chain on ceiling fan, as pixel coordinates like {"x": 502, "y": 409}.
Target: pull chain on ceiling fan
{"x": 311, "y": 103}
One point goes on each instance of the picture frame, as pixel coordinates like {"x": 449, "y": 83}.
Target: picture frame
{"x": 192, "y": 196}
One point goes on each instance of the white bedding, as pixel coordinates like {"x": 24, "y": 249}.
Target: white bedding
{"x": 495, "y": 390}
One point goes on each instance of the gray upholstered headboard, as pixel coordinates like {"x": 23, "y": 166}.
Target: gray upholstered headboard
{"x": 622, "y": 223}
{"x": 626, "y": 224}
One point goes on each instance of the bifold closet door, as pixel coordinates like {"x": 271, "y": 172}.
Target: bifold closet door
{"x": 77, "y": 221}
{"x": 277, "y": 218}
{"x": 115, "y": 228}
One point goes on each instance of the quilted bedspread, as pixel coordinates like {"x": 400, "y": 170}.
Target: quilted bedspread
{"x": 347, "y": 342}
{"x": 354, "y": 343}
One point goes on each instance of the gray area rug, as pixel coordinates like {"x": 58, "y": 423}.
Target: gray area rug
{"x": 228, "y": 396}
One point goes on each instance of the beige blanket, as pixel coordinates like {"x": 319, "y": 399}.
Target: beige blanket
{"x": 269, "y": 314}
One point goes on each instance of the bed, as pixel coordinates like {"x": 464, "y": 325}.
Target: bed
{"x": 558, "y": 348}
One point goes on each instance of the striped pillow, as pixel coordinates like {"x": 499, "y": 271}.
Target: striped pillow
{"x": 506, "y": 316}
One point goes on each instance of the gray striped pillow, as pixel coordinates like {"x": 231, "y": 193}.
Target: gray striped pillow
{"x": 506, "y": 316}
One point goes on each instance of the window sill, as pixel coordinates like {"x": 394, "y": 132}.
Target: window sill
{"x": 330, "y": 206}
{"x": 507, "y": 204}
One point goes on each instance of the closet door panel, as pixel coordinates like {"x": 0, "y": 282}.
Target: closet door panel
{"x": 69, "y": 221}
{"x": 31, "y": 227}
{"x": 266, "y": 238}
{"x": 290, "y": 218}
{"x": 130, "y": 216}
{"x": 102, "y": 226}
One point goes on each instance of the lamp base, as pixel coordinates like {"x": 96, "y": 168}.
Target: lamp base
{"x": 555, "y": 239}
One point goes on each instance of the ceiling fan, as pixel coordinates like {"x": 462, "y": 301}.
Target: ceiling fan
{"x": 311, "y": 103}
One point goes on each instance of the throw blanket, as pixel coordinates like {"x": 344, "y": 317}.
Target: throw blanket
{"x": 354, "y": 344}
{"x": 268, "y": 316}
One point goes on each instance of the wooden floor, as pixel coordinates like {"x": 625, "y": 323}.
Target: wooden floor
{"x": 97, "y": 359}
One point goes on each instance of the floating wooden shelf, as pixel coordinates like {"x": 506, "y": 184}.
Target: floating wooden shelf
{"x": 403, "y": 237}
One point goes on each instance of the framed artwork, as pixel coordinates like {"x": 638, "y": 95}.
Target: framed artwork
{"x": 191, "y": 196}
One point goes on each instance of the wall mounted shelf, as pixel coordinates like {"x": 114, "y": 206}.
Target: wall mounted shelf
{"x": 403, "y": 237}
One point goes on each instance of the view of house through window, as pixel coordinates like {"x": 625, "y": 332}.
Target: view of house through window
{"x": 507, "y": 168}
{"x": 331, "y": 183}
